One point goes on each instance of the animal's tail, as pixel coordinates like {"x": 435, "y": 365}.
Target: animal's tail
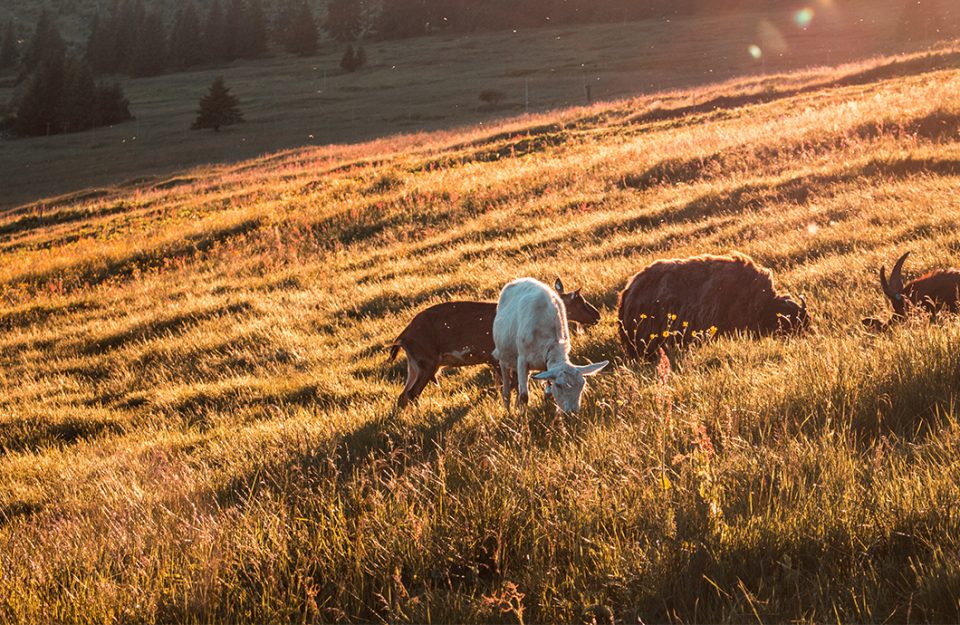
{"x": 394, "y": 350}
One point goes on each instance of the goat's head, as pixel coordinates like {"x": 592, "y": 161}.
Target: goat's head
{"x": 578, "y": 309}
{"x": 565, "y": 383}
{"x": 788, "y": 315}
{"x": 893, "y": 288}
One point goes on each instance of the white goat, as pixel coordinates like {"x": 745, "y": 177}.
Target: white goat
{"x": 530, "y": 334}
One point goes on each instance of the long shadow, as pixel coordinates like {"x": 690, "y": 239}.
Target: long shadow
{"x": 798, "y": 190}
{"x": 937, "y": 126}
{"x": 702, "y": 584}
{"x": 41, "y": 313}
{"x": 48, "y": 218}
{"x": 387, "y": 439}
{"x": 126, "y": 267}
{"x": 157, "y": 327}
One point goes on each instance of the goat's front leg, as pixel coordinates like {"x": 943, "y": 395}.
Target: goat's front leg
{"x": 523, "y": 390}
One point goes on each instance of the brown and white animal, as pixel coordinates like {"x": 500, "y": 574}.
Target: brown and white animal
{"x": 460, "y": 334}
{"x": 674, "y": 299}
{"x": 530, "y": 333}
{"x": 934, "y": 292}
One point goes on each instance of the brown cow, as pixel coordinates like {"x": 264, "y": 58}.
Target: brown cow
{"x": 459, "y": 334}
{"x": 703, "y": 295}
{"x": 933, "y": 292}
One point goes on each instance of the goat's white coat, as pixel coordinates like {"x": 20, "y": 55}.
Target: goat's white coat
{"x": 530, "y": 333}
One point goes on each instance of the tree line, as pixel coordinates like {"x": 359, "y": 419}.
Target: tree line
{"x": 61, "y": 93}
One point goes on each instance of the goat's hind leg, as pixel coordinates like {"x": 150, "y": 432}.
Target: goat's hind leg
{"x": 505, "y": 384}
{"x": 413, "y": 374}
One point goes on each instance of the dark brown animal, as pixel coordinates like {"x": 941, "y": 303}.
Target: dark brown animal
{"x": 673, "y": 300}
{"x": 933, "y": 292}
{"x": 459, "y": 334}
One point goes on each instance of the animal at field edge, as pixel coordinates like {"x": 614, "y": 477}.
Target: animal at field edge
{"x": 530, "y": 333}
{"x": 460, "y": 334}
{"x": 933, "y": 292}
{"x": 676, "y": 299}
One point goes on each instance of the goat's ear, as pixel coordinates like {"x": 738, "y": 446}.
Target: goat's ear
{"x": 546, "y": 375}
{"x": 593, "y": 368}
{"x": 558, "y": 286}
{"x": 577, "y": 292}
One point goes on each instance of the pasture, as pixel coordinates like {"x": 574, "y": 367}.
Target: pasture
{"x": 433, "y": 83}
{"x": 197, "y": 419}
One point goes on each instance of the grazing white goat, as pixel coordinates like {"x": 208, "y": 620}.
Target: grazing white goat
{"x": 530, "y": 334}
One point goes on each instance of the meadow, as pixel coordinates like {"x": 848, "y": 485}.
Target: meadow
{"x": 431, "y": 83}
{"x": 197, "y": 415}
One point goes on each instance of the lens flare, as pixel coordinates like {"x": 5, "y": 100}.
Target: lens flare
{"x": 771, "y": 38}
{"x": 803, "y": 17}
{"x": 755, "y": 51}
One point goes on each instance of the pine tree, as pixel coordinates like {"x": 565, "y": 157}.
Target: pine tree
{"x": 215, "y": 34}
{"x": 150, "y": 51}
{"x": 79, "y": 97}
{"x": 46, "y": 41}
{"x": 233, "y": 24}
{"x": 9, "y": 52}
{"x": 405, "y": 18}
{"x": 186, "y": 38}
{"x": 300, "y": 30}
{"x": 41, "y": 109}
{"x": 101, "y": 45}
{"x": 344, "y": 19}
{"x": 127, "y": 28}
{"x": 112, "y": 106}
{"x": 217, "y": 108}
{"x": 253, "y": 31}
{"x": 348, "y": 59}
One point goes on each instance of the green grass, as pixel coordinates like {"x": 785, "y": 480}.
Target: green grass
{"x": 428, "y": 84}
{"x": 197, "y": 417}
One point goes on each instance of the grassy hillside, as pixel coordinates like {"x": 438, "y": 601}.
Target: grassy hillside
{"x": 196, "y": 412}
{"x": 434, "y": 83}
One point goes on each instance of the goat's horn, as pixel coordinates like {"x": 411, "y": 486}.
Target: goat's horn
{"x": 896, "y": 278}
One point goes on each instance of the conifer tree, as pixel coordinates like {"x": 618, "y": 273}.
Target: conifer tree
{"x": 112, "y": 106}
{"x": 233, "y": 24}
{"x": 299, "y": 34}
{"x": 150, "y": 50}
{"x": 46, "y": 41}
{"x": 344, "y": 19}
{"x": 186, "y": 38}
{"x": 79, "y": 97}
{"x": 41, "y": 109}
{"x": 127, "y": 28}
{"x": 101, "y": 44}
{"x": 9, "y": 49}
{"x": 215, "y": 34}
{"x": 62, "y": 97}
{"x": 217, "y": 108}
{"x": 253, "y": 31}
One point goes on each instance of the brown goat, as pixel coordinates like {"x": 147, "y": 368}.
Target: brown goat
{"x": 933, "y": 292}
{"x": 703, "y": 295}
{"x": 459, "y": 334}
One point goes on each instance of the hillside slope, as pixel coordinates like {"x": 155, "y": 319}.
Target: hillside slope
{"x": 432, "y": 83}
{"x": 196, "y": 411}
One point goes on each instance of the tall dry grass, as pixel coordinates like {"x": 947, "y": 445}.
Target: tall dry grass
{"x": 197, "y": 421}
